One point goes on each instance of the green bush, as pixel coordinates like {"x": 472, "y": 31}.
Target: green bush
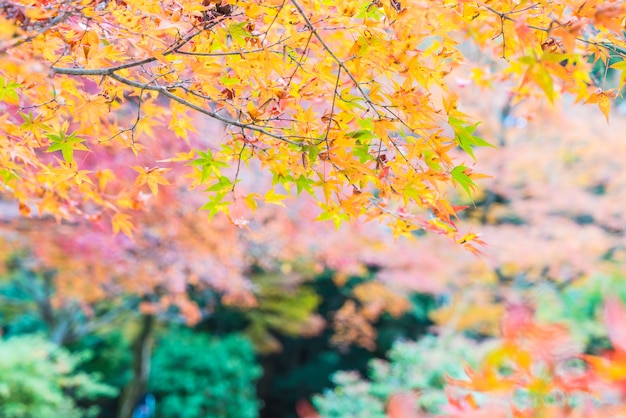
{"x": 38, "y": 379}
{"x": 194, "y": 376}
{"x": 413, "y": 366}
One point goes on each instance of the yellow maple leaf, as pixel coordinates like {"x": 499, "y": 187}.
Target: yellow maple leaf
{"x": 275, "y": 198}
{"x": 121, "y": 223}
{"x": 151, "y": 176}
{"x": 603, "y": 101}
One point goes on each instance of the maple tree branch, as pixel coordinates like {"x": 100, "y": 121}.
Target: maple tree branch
{"x": 330, "y": 121}
{"x": 342, "y": 65}
{"x": 609, "y": 47}
{"x": 133, "y": 128}
{"x": 83, "y": 71}
{"x": 165, "y": 91}
{"x": 63, "y": 14}
{"x": 503, "y": 38}
{"x": 298, "y": 63}
{"x": 505, "y": 16}
{"x": 334, "y": 57}
{"x": 280, "y": 9}
{"x": 173, "y": 49}
{"x": 238, "y": 165}
{"x": 332, "y": 109}
{"x": 111, "y": 72}
{"x": 230, "y": 53}
{"x": 226, "y": 54}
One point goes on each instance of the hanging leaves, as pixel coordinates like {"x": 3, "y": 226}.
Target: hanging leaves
{"x": 330, "y": 98}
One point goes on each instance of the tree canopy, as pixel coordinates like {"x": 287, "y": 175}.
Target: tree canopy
{"x": 351, "y": 103}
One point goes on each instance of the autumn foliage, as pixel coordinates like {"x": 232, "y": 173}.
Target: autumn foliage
{"x": 125, "y": 124}
{"x": 350, "y": 103}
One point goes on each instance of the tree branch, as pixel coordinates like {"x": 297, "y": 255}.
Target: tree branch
{"x": 111, "y": 72}
{"x": 164, "y": 91}
{"x": 334, "y": 57}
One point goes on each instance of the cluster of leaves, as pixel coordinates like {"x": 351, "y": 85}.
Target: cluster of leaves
{"x": 349, "y": 103}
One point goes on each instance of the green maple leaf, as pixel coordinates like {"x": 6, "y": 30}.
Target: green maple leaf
{"x": 66, "y": 144}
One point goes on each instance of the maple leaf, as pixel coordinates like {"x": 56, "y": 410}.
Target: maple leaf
{"x": 207, "y": 164}
{"x": 152, "y": 177}
{"x": 470, "y": 240}
{"x": 465, "y": 138}
{"x": 8, "y": 90}
{"x": 459, "y": 175}
{"x": 182, "y": 125}
{"x": 275, "y": 198}
{"x": 67, "y": 144}
{"x": 603, "y": 102}
{"x": 94, "y": 108}
{"x": 216, "y": 204}
{"x": 121, "y": 222}
{"x": 33, "y": 124}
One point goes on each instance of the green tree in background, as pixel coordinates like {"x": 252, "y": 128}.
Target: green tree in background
{"x": 194, "y": 376}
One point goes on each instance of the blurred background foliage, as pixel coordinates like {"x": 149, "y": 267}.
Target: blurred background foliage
{"x": 411, "y": 366}
{"x": 239, "y": 362}
{"x": 254, "y": 362}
